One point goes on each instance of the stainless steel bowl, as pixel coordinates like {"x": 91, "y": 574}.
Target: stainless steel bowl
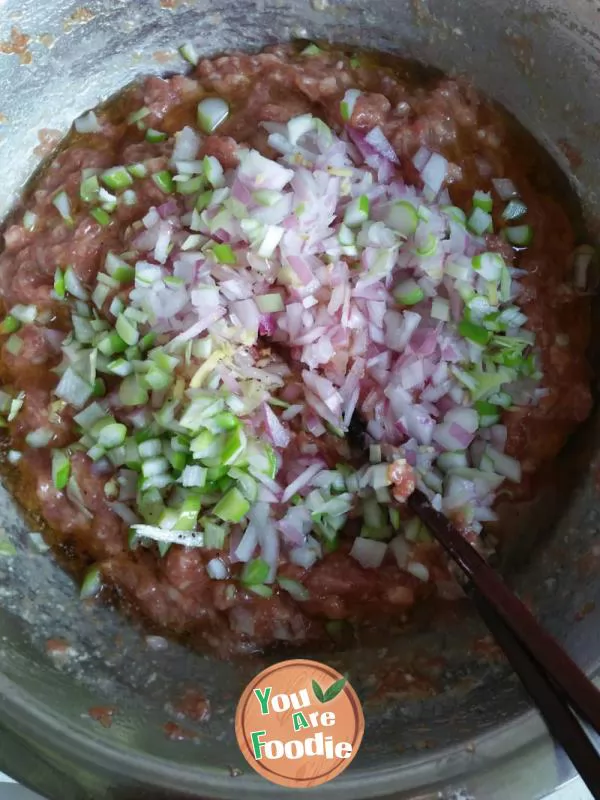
{"x": 476, "y": 732}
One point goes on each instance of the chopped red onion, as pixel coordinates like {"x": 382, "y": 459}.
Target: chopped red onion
{"x": 280, "y": 437}
{"x": 376, "y": 138}
{"x": 301, "y": 481}
{"x": 306, "y": 252}
{"x": 247, "y": 546}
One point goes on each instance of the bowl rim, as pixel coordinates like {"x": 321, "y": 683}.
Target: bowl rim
{"x": 40, "y": 726}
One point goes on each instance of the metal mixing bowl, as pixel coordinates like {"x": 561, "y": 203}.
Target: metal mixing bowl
{"x": 476, "y": 731}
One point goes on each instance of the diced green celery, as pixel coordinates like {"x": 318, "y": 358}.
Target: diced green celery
{"x": 357, "y": 211}
{"x": 206, "y": 445}
{"x": 402, "y": 217}
{"x": 154, "y": 137}
{"x": 92, "y": 583}
{"x": 255, "y": 572}
{"x": 164, "y": 181}
{"x": 224, "y": 254}
{"x": 234, "y": 446}
{"x": 483, "y": 200}
{"x": 187, "y": 518}
{"x": 474, "y": 333}
{"x": 61, "y": 469}
{"x": 116, "y": 178}
{"x": 9, "y": 325}
{"x": 131, "y": 392}
{"x": 101, "y": 216}
{"x": 232, "y": 507}
{"x": 520, "y": 235}
{"x": 111, "y": 343}
{"x": 260, "y": 589}
{"x": 408, "y": 293}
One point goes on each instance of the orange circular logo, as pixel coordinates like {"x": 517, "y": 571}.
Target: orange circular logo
{"x": 299, "y": 723}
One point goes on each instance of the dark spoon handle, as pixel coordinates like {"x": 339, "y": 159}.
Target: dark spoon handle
{"x": 560, "y": 720}
{"x": 565, "y": 674}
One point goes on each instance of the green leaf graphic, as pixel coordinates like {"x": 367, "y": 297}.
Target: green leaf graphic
{"x": 318, "y": 692}
{"x": 334, "y": 689}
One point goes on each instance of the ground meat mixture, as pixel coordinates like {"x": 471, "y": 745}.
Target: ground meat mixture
{"x": 414, "y": 109}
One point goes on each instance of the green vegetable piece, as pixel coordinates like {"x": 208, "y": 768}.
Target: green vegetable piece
{"x": 137, "y": 116}
{"x": 188, "y": 51}
{"x": 92, "y": 583}
{"x": 408, "y": 293}
{"x": 520, "y": 235}
{"x": 150, "y": 506}
{"x": 99, "y": 388}
{"x": 126, "y": 330}
{"x": 483, "y": 408}
{"x": 225, "y": 484}
{"x": 255, "y": 571}
{"x": 311, "y": 50}
{"x": 232, "y": 507}
{"x": 191, "y": 186}
{"x": 212, "y": 112}
{"x": 101, "y": 216}
{"x": 9, "y": 325}
{"x": 112, "y": 435}
{"x": 164, "y": 181}
{"x": 403, "y": 217}
{"x": 61, "y": 469}
{"x": 59, "y": 283}
{"x": 429, "y": 247}
{"x": 155, "y": 136}
{"x": 146, "y": 342}
{"x": 137, "y": 170}
{"x": 224, "y": 254}
{"x": 480, "y": 222}
{"x": 348, "y": 103}
{"x": 216, "y": 473}
{"x": 489, "y": 265}
{"x": 234, "y": 445}
{"x": 226, "y": 421}
{"x": 89, "y": 188}
{"x": 214, "y": 535}
{"x": 177, "y": 460}
{"x": 394, "y": 515}
{"x": 14, "y": 345}
{"x": 261, "y": 590}
{"x": 213, "y": 171}
{"x": 475, "y": 333}
{"x": 188, "y": 513}
{"x": 203, "y": 200}
{"x": 357, "y": 212}
{"x": 62, "y": 203}
{"x": 118, "y": 269}
{"x": 483, "y": 200}
{"x": 294, "y": 588}
{"x": 131, "y": 392}
{"x": 456, "y": 214}
{"x": 487, "y": 383}
{"x": 116, "y": 178}
{"x": 111, "y": 343}
{"x": 205, "y": 445}
{"x": 156, "y": 379}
